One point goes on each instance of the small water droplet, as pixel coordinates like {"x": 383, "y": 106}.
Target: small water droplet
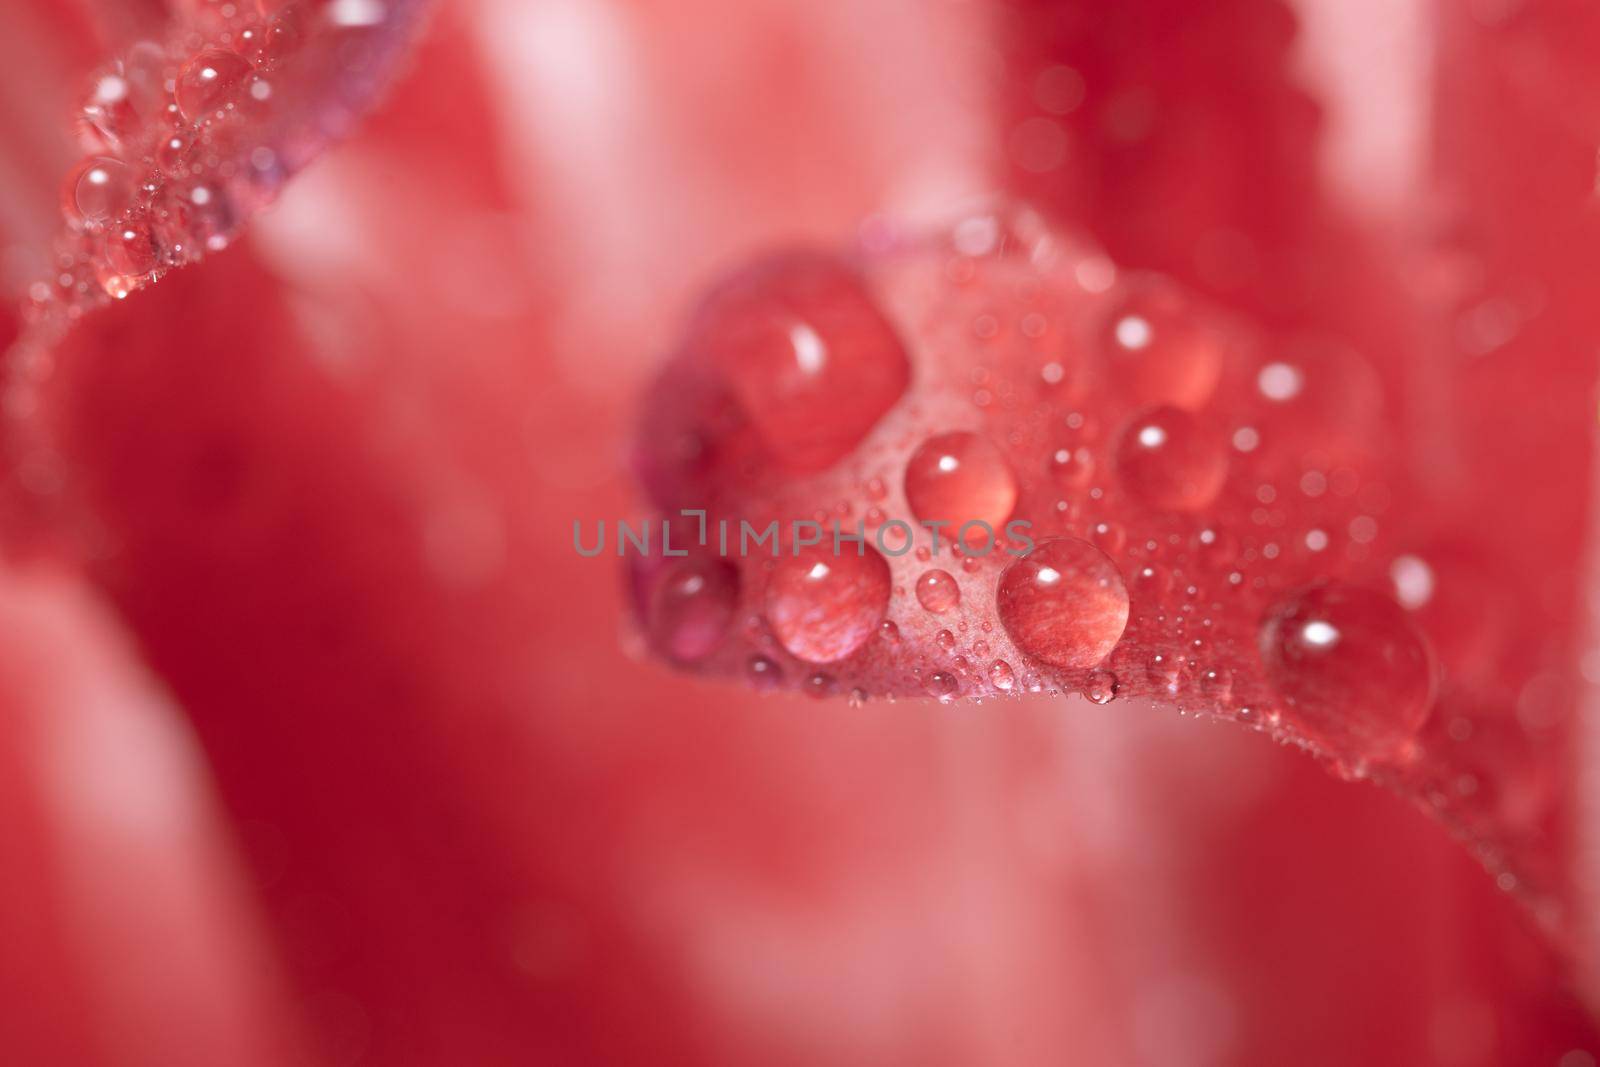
{"x": 1167, "y": 460}
{"x": 942, "y": 684}
{"x": 1162, "y": 672}
{"x": 938, "y": 592}
{"x": 130, "y": 249}
{"x": 1109, "y": 537}
{"x": 1161, "y": 347}
{"x": 1002, "y": 676}
{"x": 764, "y": 673}
{"x": 1216, "y": 684}
{"x": 819, "y": 685}
{"x": 1071, "y": 468}
{"x": 1102, "y": 687}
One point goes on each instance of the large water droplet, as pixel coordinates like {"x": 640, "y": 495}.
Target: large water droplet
{"x": 1350, "y": 667}
{"x": 805, "y": 349}
{"x": 1167, "y": 460}
{"x": 938, "y": 592}
{"x": 96, "y": 189}
{"x": 957, "y": 478}
{"x": 208, "y": 82}
{"x": 692, "y": 607}
{"x": 1161, "y": 347}
{"x": 823, "y": 606}
{"x": 1064, "y": 603}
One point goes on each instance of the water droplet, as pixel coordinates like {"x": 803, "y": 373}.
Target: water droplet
{"x": 1002, "y": 676}
{"x": 130, "y": 249}
{"x": 764, "y": 673}
{"x": 822, "y": 606}
{"x": 945, "y": 640}
{"x": 942, "y": 684}
{"x": 1071, "y": 468}
{"x": 96, "y": 189}
{"x": 267, "y": 45}
{"x": 819, "y": 685}
{"x": 1217, "y": 686}
{"x": 938, "y": 592}
{"x": 1102, "y": 687}
{"x": 1413, "y": 581}
{"x": 1064, "y": 603}
{"x": 1161, "y": 347}
{"x": 809, "y": 356}
{"x": 889, "y": 632}
{"x": 208, "y": 82}
{"x": 1350, "y": 667}
{"x": 957, "y": 478}
{"x": 172, "y": 153}
{"x": 692, "y": 608}
{"x": 1280, "y": 381}
{"x": 1162, "y": 672}
{"x": 1151, "y": 581}
{"x": 1168, "y": 460}
{"x": 1109, "y": 536}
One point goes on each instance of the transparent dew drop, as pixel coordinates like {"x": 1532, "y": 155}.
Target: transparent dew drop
{"x": 1064, "y": 603}
{"x": 198, "y": 216}
{"x": 1350, "y": 669}
{"x": 961, "y": 480}
{"x": 1162, "y": 672}
{"x": 1167, "y": 460}
{"x": 807, "y": 353}
{"x": 1109, "y": 536}
{"x": 268, "y": 44}
{"x": 1216, "y": 685}
{"x": 1102, "y": 687}
{"x": 96, "y": 189}
{"x": 173, "y": 153}
{"x": 1071, "y": 468}
{"x": 109, "y": 109}
{"x": 130, "y": 249}
{"x": 938, "y": 592}
{"x": 1161, "y": 347}
{"x": 209, "y": 82}
{"x": 821, "y": 606}
{"x": 1001, "y": 676}
{"x": 692, "y": 608}
{"x": 819, "y": 685}
{"x": 942, "y": 684}
{"x": 763, "y": 673}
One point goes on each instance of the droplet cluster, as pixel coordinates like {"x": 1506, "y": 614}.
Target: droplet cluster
{"x": 1029, "y": 471}
{"x": 185, "y": 138}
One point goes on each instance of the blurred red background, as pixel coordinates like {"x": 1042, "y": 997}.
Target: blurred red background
{"x": 320, "y": 747}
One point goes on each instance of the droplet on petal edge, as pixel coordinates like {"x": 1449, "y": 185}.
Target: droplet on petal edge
{"x": 179, "y": 132}
{"x": 1350, "y": 668}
